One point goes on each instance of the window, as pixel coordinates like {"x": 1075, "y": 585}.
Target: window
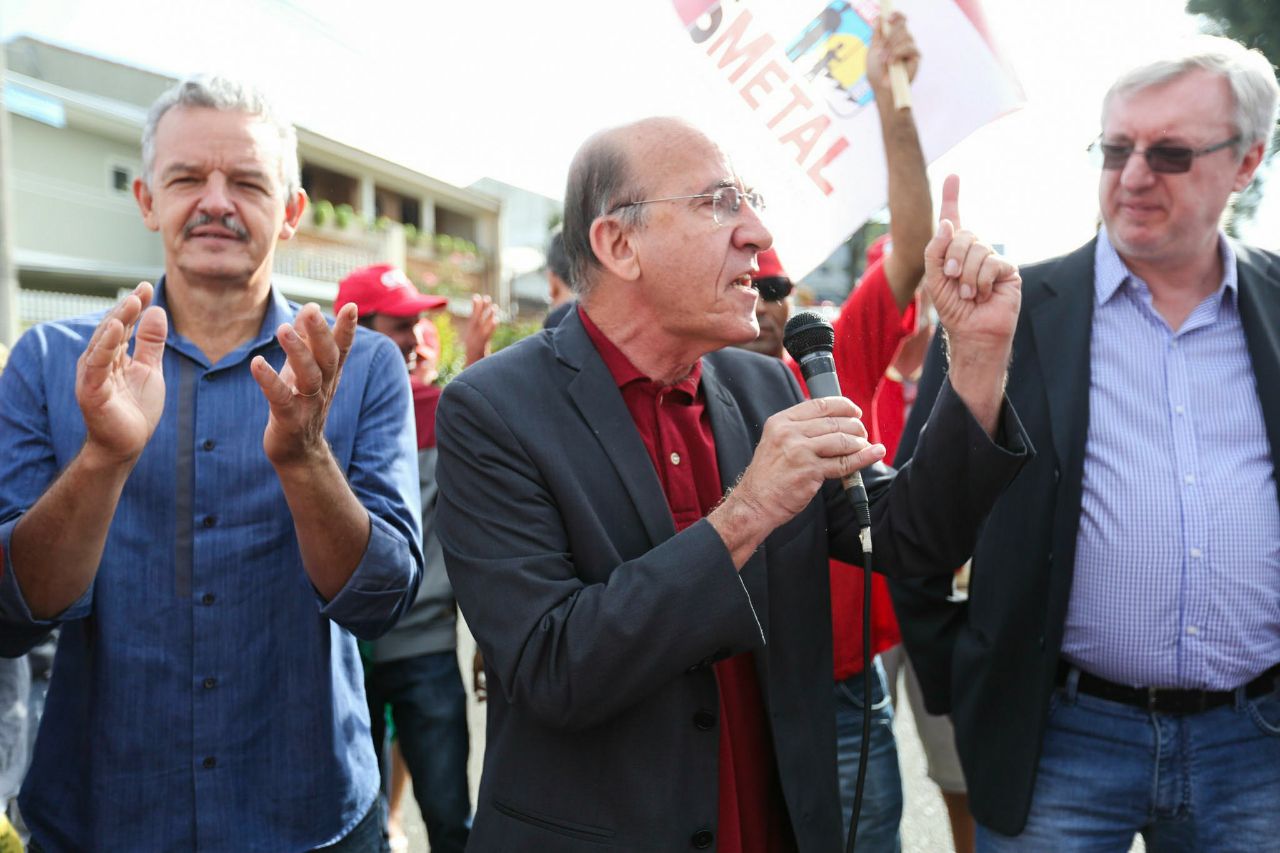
{"x": 120, "y": 175}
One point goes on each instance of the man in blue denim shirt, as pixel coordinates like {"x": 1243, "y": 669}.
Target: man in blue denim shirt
{"x": 211, "y": 513}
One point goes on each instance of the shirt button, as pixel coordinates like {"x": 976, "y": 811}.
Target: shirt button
{"x": 1179, "y": 409}
{"x": 1192, "y": 630}
{"x": 208, "y": 598}
{"x": 702, "y": 839}
{"x": 1196, "y": 553}
{"x": 1173, "y": 344}
{"x": 208, "y": 444}
{"x": 1189, "y": 479}
{"x": 210, "y": 762}
{"x": 210, "y": 520}
{"x": 704, "y": 720}
{"x": 675, "y": 458}
{"x": 210, "y": 683}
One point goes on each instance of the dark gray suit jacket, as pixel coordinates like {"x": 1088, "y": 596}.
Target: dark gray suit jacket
{"x": 991, "y": 663}
{"x": 599, "y": 623}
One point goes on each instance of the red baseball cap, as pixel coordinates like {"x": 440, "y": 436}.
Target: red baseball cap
{"x": 770, "y": 266}
{"x": 384, "y": 289}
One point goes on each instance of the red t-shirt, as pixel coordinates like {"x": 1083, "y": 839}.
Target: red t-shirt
{"x": 425, "y": 399}
{"x": 869, "y": 331}
{"x": 676, "y": 430}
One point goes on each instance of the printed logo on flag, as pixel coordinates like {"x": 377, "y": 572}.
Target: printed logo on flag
{"x": 782, "y": 86}
{"x": 831, "y": 52}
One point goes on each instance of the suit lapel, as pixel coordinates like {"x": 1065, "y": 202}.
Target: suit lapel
{"x": 600, "y": 403}
{"x": 733, "y": 454}
{"x": 1060, "y": 305}
{"x": 1260, "y": 317}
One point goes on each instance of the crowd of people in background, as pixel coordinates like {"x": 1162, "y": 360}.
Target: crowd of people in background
{"x": 249, "y": 528}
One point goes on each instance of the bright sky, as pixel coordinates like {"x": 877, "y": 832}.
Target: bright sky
{"x": 509, "y": 88}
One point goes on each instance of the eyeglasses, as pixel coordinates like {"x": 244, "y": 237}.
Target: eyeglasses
{"x": 725, "y": 202}
{"x": 1165, "y": 159}
{"x": 773, "y": 288}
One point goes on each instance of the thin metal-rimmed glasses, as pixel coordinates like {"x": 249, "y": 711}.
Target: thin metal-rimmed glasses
{"x": 725, "y": 202}
{"x": 1165, "y": 159}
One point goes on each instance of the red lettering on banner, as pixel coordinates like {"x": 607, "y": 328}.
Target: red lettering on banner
{"x": 807, "y": 124}
{"x": 761, "y": 81}
{"x": 798, "y": 99}
{"x": 806, "y": 136}
{"x": 751, "y": 53}
{"x": 815, "y": 171}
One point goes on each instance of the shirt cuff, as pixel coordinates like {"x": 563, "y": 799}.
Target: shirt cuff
{"x": 380, "y": 588}
{"x": 1011, "y": 438}
{"x": 21, "y": 630}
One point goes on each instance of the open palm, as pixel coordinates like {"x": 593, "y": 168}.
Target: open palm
{"x": 122, "y": 397}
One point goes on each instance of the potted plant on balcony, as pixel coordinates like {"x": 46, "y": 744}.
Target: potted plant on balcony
{"x": 322, "y": 213}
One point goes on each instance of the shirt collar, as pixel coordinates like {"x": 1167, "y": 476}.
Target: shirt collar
{"x": 621, "y": 368}
{"x": 1110, "y": 270}
{"x": 279, "y": 310}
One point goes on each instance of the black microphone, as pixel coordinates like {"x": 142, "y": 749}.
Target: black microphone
{"x": 810, "y": 340}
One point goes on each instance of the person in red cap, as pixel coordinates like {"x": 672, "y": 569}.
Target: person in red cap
{"x": 414, "y": 668}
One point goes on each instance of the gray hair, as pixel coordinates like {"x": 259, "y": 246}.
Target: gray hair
{"x": 1250, "y": 76}
{"x": 599, "y": 180}
{"x": 223, "y": 93}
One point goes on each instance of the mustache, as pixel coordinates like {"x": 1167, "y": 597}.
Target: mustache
{"x": 227, "y": 221}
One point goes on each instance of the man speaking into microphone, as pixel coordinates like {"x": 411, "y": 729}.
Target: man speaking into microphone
{"x": 636, "y": 521}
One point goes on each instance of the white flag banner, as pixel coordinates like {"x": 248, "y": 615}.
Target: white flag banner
{"x": 793, "y": 108}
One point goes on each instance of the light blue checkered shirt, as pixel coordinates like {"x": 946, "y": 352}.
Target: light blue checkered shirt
{"x": 1177, "y": 572}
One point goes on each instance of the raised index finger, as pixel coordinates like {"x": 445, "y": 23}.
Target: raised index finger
{"x": 950, "y": 207}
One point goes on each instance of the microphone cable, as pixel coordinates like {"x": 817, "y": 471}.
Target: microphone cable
{"x": 810, "y": 340}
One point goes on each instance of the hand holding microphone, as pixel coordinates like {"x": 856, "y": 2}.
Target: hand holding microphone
{"x": 800, "y": 449}
{"x": 810, "y": 340}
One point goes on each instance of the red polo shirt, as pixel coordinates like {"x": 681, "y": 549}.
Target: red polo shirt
{"x": 676, "y": 430}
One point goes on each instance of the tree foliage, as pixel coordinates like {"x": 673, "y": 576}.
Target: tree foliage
{"x": 1254, "y": 23}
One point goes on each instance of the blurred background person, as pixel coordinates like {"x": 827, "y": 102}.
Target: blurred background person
{"x": 413, "y": 676}
{"x": 561, "y": 293}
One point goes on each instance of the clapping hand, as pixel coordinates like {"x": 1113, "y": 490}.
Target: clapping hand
{"x": 121, "y": 396}
{"x": 301, "y": 393}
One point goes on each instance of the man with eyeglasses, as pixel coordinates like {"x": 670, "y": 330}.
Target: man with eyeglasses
{"x": 636, "y": 518}
{"x": 1114, "y": 670}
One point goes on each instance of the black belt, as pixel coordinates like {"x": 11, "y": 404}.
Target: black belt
{"x": 1161, "y": 700}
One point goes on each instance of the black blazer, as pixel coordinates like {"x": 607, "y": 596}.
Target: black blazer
{"x": 991, "y": 662}
{"x": 599, "y": 623}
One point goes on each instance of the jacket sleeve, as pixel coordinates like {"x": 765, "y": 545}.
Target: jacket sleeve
{"x": 927, "y": 616}
{"x": 571, "y": 653}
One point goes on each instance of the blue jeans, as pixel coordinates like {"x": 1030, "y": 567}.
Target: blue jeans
{"x": 882, "y": 793}
{"x": 429, "y": 708}
{"x": 1196, "y": 782}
